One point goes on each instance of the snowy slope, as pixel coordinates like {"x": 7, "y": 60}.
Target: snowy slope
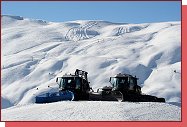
{"x": 35, "y": 52}
{"x": 88, "y": 111}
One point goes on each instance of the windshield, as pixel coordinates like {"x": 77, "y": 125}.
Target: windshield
{"x": 118, "y": 82}
{"x": 69, "y": 82}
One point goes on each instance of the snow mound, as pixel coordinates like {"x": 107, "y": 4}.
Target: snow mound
{"x": 93, "y": 111}
{"x": 35, "y": 52}
{"x": 10, "y": 21}
{"x": 7, "y": 19}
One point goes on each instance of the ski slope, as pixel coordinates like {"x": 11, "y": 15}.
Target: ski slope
{"x": 35, "y": 52}
{"x": 93, "y": 111}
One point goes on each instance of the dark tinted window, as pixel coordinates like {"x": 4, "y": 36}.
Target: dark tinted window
{"x": 118, "y": 81}
{"x": 78, "y": 83}
{"x": 67, "y": 82}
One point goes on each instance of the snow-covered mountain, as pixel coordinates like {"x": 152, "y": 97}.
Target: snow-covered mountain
{"x": 35, "y": 52}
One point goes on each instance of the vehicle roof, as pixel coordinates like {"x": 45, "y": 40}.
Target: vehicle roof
{"x": 124, "y": 75}
{"x": 69, "y": 75}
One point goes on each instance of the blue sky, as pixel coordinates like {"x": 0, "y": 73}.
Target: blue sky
{"x": 121, "y": 12}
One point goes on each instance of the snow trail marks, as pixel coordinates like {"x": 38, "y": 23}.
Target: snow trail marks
{"x": 80, "y": 33}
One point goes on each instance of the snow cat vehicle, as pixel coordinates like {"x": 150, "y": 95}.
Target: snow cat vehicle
{"x": 71, "y": 87}
{"x": 76, "y": 87}
{"x": 124, "y": 88}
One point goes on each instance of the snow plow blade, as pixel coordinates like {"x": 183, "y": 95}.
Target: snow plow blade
{"x": 54, "y": 97}
{"x": 118, "y": 95}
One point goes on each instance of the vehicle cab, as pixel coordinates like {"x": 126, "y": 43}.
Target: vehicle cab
{"x": 125, "y": 83}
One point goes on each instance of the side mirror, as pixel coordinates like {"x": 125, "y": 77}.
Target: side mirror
{"x": 110, "y": 79}
{"x": 56, "y": 79}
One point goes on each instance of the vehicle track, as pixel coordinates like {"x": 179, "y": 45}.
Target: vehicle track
{"x": 79, "y": 33}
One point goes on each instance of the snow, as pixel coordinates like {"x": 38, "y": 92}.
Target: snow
{"x": 88, "y": 111}
{"x": 35, "y": 52}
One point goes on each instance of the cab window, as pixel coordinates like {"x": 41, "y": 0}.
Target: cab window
{"x": 132, "y": 83}
{"x": 78, "y": 83}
